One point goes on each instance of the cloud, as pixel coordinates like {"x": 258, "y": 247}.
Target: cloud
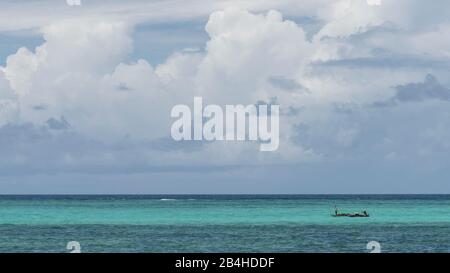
{"x": 429, "y": 89}
{"x": 20, "y": 69}
{"x": 245, "y": 50}
{"x": 80, "y": 88}
{"x": 30, "y": 149}
{"x": 56, "y": 124}
{"x": 416, "y": 92}
{"x": 76, "y": 73}
{"x": 286, "y": 84}
{"x": 8, "y": 103}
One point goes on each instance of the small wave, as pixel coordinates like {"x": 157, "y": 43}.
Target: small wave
{"x": 167, "y": 199}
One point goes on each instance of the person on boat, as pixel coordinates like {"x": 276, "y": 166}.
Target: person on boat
{"x": 336, "y": 211}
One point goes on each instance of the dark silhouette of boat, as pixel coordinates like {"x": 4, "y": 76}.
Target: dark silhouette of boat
{"x": 357, "y": 214}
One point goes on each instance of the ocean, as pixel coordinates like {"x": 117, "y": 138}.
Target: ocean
{"x": 223, "y": 223}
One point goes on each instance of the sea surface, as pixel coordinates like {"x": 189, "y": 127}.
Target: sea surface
{"x": 223, "y": 223}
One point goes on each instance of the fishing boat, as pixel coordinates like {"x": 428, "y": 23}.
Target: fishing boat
{"x": 356, "y": 214}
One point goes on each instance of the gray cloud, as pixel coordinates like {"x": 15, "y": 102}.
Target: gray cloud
{"x": 56, "y": 124}
{"x": 123, "y": 87}
{"x": 391, "y": 61}
{"x": 345, "y": 108}
{"x": 31, "y": 149}
{"x": 40, "y": 107}
{"x": 416, "y": 92}
{"x": 286, "y": 84}
{"x": 429, "y": 89}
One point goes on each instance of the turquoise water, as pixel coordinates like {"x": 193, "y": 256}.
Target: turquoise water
{"x": 227, "y": 223}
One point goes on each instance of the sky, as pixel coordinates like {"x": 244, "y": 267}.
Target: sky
{"x": 86, "y": 93}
